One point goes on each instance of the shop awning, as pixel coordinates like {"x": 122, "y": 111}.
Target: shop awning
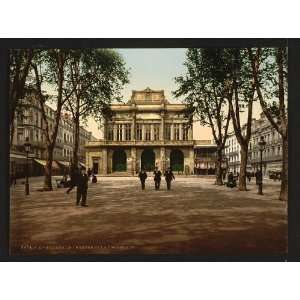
{"x": 55, "y": 165}
{"x": 41, "y": 162}
{"x": 64, "y": 163}
{"x": 17, "y": 158}
{"x": 13, "y": 155}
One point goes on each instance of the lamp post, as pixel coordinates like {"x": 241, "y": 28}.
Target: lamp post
{"x": 262, "y": 146}
{"x": 27, "y": 147}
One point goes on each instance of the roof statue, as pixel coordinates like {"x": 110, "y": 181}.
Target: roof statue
{"x": 147, "y": 96}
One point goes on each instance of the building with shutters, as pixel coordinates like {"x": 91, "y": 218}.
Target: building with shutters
{"x": 271, "y": 156}
{"x": 30, "y": 124}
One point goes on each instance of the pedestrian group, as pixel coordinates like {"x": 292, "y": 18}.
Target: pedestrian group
{"x": 80, "y": 178}
{"x": 169, "y": 176}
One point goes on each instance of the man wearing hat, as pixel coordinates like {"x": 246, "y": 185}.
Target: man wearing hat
{"x": 82, "y": 187}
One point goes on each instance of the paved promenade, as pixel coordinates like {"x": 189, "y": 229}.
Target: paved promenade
{"x": 195, "y": 217}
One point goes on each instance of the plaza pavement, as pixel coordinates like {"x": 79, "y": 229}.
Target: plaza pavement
{"x": 195, "y": 217}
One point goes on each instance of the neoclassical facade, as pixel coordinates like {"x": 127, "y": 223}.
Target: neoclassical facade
{"x": 146, "y": 132}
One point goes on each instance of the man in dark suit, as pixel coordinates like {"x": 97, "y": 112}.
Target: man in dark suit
{"x": 74, "y": 176}
{"x": 82, "y": 187}
{"x": 258, "y": 177}
{"x": 157, "y": 178}
{"x": 169, "y": 176}
{"x": 143, "y": 177}
{"x": 89, "y": 173}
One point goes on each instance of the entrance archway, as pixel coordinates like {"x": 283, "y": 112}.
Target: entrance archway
{"x": 119, "y": 161}
{"x": 148, "y": 160}
{"x": 177, "y": 160}
{"x": 95, "y": 167}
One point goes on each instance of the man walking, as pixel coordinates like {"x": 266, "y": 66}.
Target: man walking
{"x": 82, "y": 187}
{"x": 143, "y": 177}
{"x": 258, "y": 177}
{"x": 169, "y": 176}
{"x": 74, "y": 176}
{"x": 89, "y": 172}
{"x": 157, "y": 178}
{"x": 248, "y": 174}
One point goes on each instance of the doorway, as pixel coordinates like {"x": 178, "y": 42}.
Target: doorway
{"x": 119, "y": 161}
{"x": 148, "y": 160}
{"x": 95, "y": 167}
{"x": 176, "y": 160}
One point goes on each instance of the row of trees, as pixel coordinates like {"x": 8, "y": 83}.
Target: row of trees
{"x": 83, "y": 82}
{"x": 222, "y": 83}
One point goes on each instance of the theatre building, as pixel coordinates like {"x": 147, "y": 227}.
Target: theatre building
{"x": 146, "y": 132}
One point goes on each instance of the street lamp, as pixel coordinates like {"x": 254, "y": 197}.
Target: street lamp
{"x": 262, "y": 146}
{"x": 27, "y": 147}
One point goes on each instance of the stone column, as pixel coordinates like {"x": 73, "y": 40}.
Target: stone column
{"x": 180, "y": 132}
{"x": 143, "y": 132}
{"x": 162, "y": 159}
{"x": 172, "y": 132}
{"x": 122, "y": 138}
{"x": 152, "y": 132}
{"x": 192, "y": 161}
{"x": 162, "y": 127}
{"x": 104, "y": 161}
{"x": 114, "y": 132}
{"x": 190, "y": 133}
{"x": 105, "y": 129}
{"x": 133, "y": 129}
{"x": 133, "y": 160}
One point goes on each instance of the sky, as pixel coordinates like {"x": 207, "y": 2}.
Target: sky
{"x": 156, "y": 69}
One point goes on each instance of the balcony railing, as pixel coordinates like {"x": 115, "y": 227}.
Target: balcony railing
{"x": 140, "y": 143}
{"x": 38, "y": 144}
{"x": 205, "y": 159}
{"x": 203, "y": 142}
{"x": 266, "y": 159}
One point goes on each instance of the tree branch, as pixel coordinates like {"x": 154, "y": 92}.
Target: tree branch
{"x": 41, "y": 101}
{"x": 255, "y": 67}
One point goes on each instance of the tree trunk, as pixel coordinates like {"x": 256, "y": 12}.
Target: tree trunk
{"x": 219, "y": 180}
{"x": 76, "y": 142}
{"x": 13, "y": 106}
{"x": 243, "y": 168}
{"x": 48, "y": 169}
{"x": 12, "y": 132}
{"x": 284, "y": 176}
